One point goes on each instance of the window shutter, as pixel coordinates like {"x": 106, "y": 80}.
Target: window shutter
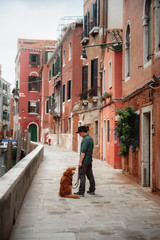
{"x": 52, "y": 70}
{"x": 92, "y": 11}
{"x": 29, "y": 83}
{"x": 69, "y": 90}
{"x": 95, "y": 14}
{"x": 52, "y": 98}
{"x": 136, "y": 131}
{"x": 46, "y": 55}
{"x": 37, "y": 59}
{"x": 85, "y": 78}
{"x": 98, "y": 9}
{"x": 37, "y": 107}
{"x": 94, "y": 69}
{"x": 49, "y": 102}
{"x": 28, "y": 106}
{"x": 63, "y": 93}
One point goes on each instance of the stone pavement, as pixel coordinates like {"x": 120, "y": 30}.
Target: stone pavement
{"x": 119, "y": 210}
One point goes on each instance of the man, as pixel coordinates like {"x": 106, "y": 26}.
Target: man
{"x": 85, "y": 162}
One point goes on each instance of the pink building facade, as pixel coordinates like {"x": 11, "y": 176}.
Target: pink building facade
{"x": 141, "y": 59}
{"x": 28, "y": 82}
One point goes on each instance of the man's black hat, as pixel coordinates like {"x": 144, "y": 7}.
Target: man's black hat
{"x": 82, "y": 129}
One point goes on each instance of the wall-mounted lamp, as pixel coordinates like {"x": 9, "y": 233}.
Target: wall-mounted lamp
{"x": 39, "y": 99}
{"x": 115, "y": 46}
{"x": 23, "y": 110}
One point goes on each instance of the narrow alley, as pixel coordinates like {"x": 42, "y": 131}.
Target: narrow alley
{"x": 119, "y": 210}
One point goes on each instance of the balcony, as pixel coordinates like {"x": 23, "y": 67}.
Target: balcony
{"x": 55, "y": 110}
{"x": 5, "y": 101}
{"x": 84, "y": 37}
{"x": 94, "y": 29}
{"x": 5, "y": 116}
{"x": 90, "y": 95}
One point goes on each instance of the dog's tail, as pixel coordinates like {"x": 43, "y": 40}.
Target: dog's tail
{"x": 71, "y": 196}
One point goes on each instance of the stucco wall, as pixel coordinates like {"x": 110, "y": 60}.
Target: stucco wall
{"x": 13, "y": 188}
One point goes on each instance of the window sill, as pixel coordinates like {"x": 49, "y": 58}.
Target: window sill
{"x": 147, "y": 64}
{"x": 32, "y": 113}
{"x": 157, "y": 54}
{"x": 127, "y": 79}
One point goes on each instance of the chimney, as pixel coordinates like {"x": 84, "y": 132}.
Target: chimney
{"x": 0, "y": 70}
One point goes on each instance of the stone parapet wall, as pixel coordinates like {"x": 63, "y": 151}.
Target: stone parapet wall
{"x": 13, "y": 188}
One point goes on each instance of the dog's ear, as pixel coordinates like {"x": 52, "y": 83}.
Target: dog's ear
{"x": 68, "y": 170}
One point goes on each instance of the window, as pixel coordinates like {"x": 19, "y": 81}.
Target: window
{"x": 69, "y": 125}
{"x": 95, "y": 14}
{"x": 84, "y": 81}
{"x": 127, "y": 52}
{"x": 108, "y": 131}
{"x": 47, "y": 106}
{"x": 63, "y": 125}
{"x": 147, "y": 27}
{"x": 64, "y": 53}
{"x": 110, "y": 74}
{"x": 49, "y": 76}
{"x": 69, "y": 51}
{"x": 104, "y": 81}
{"x": 47, "y": 56}
{"x": 34, "y": 59}
{"x": 53, "y": 70}
{"x": 33, "y": 107}
{"x": 96, "y": 132}
{"x": 33, "y": 83}
{"x": 94, "y": 76}
{"x": 63, "y": 93}
{"x": 86, "y": 22}
{"x": 53, "y": 98}
{"x": 69, "y": 90}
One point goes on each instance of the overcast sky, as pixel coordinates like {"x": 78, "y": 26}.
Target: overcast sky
{"x": 31, "y": 19}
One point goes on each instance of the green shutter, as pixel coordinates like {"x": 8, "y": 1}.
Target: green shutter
{"x": 46, "y": 56}
{"x": 37, "y": 59}
{"x": 52, "y": 70}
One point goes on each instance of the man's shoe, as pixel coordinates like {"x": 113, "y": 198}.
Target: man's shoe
{"x": 79, "y": 194}
{"x": 91, "y": 193}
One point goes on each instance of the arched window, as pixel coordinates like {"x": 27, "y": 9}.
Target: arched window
{"x": 127, "y": 52}
{"x": 147, "y": 27}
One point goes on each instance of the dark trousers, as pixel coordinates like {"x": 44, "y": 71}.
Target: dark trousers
{"x": 86, "y": 170}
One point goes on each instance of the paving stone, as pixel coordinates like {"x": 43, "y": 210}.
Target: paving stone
{"x": 120, "y": 209}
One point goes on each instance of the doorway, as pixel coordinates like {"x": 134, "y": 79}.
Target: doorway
{"x": 33, "y": 131}
{"x": 147, "y": 146}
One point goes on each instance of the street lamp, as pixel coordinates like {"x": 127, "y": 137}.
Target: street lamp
{"x": 115, "y": 46}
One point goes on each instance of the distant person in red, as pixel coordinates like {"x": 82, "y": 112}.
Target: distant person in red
{"x": 49, "y": 141}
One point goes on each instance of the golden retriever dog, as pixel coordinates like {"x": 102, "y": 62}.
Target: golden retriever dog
{"x": 66, "y": 184}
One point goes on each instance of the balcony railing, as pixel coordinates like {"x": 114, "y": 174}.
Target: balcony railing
{"x": 93, "y": 28}
{"x": 5, "y": 116}
{"x": 5, "y": 100}
{"x": 55, "y": 110}
{"x": 89, "y": 93}
{"x": 84, "y": 36}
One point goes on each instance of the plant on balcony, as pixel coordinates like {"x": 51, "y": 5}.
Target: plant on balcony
{"x": 124, "y": 131}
